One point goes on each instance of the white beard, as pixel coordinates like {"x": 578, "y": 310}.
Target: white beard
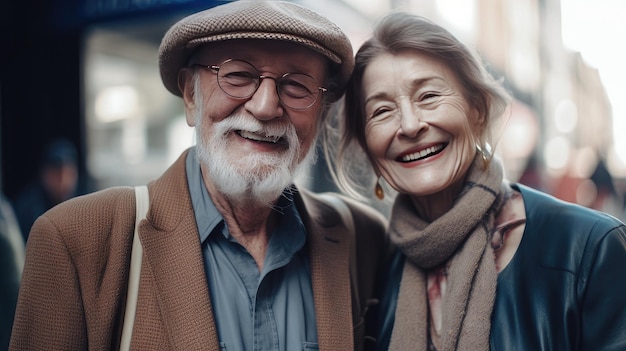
{"x": 256, "y": 178}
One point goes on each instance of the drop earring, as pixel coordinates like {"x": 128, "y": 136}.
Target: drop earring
{"x": 378, "y": 190}
{"x": 485, "y": 153}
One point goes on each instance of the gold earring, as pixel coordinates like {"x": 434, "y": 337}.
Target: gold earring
{"x": 485, "y": 153}
{"x": 378, "y": 190}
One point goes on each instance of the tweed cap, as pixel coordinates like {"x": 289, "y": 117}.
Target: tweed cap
{"x": 270, "y": 20}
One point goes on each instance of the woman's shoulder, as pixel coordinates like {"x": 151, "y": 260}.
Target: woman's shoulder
{"x": 547, "y": 210}
{"x": 564, "y": 234}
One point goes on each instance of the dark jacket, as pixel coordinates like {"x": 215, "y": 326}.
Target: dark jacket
{"x": 565, "y": 288}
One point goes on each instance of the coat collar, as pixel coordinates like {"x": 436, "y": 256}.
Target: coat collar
{"x": 172, "y": 251}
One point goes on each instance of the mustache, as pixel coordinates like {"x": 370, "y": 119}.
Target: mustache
{"x": 281, "y": 130}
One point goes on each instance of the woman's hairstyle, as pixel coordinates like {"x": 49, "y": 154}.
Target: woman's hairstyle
{"x": 394, "y": 33}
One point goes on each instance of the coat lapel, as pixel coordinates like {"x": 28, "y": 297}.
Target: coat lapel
{"x": 173, "y": 258}
{"x": 179, "y": 278}
{"x": 330, "y": 274}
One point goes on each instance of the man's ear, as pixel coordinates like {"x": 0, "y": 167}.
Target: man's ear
{"x": 186, "y": 87}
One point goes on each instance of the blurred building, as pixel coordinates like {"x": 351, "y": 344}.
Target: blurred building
{"x": 88, "y": 71}
{"x": 560, "y": 127}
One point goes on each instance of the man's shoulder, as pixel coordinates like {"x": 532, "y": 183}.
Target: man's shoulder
{"x": 333, "y": 206}
{"x": 363, "y": 214}
{"x": 102, "y": 200}
{"x": 91, "y": 212}
{"x": 324, "y": 198}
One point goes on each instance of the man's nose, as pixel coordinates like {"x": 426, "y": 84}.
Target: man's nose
{"x": 265, "y": 104}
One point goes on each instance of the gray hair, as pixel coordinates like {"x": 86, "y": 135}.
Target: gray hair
{"x": 394, "y": 33}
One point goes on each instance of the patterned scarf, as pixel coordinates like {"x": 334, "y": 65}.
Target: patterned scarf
{"x": 460, "y": 239}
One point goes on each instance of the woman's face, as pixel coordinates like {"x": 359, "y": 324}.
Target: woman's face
{"x": 419, "y": 128}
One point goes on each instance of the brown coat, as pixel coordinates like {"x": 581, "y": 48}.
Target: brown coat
{"x": 74, "y": 284}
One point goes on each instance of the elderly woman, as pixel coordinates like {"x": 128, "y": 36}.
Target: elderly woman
{"x": 482, "y": 263}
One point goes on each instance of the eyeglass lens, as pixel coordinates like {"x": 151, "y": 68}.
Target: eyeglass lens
{"x": 240, "y": 79}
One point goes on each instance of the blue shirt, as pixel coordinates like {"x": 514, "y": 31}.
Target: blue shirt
{"x": 268, "y": 310}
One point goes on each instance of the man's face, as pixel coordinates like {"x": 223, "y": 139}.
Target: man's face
{"x": 252, "y": 147}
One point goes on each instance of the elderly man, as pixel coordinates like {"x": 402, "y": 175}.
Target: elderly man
{"x": 235, "y": 257}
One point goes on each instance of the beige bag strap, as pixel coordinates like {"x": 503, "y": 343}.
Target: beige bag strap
{"x": 143, "y": 202}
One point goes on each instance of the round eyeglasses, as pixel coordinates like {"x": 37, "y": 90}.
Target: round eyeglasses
{"x": 240, "y": 79}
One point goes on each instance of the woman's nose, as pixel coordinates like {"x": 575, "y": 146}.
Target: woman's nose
{"x": 411, "y": 121}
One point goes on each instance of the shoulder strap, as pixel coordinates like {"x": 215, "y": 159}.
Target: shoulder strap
{"x": 143, "y": 202}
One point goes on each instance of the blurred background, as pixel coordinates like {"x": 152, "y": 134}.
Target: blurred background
{"x": 82, "y": 106}
{"x": 86, "y": 71}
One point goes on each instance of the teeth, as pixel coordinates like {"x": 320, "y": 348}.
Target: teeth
{"x": 252, "y": 136}
{"x": 422, "y": 153}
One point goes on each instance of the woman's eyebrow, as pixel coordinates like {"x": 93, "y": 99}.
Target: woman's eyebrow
{"x": 418, "y": 82}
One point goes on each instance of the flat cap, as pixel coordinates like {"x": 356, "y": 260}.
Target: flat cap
{"x": 270, "y": 20}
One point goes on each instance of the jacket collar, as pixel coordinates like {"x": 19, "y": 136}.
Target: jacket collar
{"x": 172, "y": 251}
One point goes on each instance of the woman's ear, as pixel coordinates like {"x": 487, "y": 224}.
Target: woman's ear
{"x": 478, "y": 122}
{"x": 187, "y": 88}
